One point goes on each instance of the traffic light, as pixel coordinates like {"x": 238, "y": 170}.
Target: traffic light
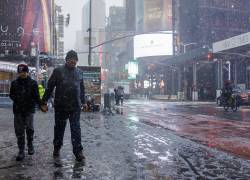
{"x": 210, "y": 56}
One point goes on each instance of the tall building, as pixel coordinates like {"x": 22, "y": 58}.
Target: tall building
{"x": 115, "y": 29}
{"x": 198, "y": 24}
{"x": 208, "y": 21}
{"x": 130, "y": 15}
{"x": 98, "y": 33}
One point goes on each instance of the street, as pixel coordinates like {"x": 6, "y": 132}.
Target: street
{"x": 151, "y": 140}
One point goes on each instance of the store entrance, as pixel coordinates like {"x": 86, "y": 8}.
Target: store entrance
{"x": 5, "y": 81}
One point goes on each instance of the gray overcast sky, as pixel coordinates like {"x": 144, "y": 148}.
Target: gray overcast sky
{"x": 74, "y": 7}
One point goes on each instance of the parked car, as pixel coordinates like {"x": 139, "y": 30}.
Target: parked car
{"x": 242, "y": 95}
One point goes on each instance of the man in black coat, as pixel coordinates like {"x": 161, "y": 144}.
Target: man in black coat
{"x": 67, "y": 81}
{"x": 227, "y": 90}
{"x": 25, "y": 96}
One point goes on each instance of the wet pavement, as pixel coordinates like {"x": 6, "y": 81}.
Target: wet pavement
{"x": 142, "y": 140}
{"x": 205, "y": 123}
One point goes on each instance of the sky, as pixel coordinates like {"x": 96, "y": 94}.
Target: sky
{"x": 74, "y": 9}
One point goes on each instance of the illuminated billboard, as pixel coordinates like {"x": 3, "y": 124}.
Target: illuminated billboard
{"x": 157, "y": 15}
{"x": 146, "y": 45}
{"x": 25, "y": 22}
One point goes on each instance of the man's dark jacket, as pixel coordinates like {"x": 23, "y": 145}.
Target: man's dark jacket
{"x": 227, "y": 90}
{"x": 70, "y": 92}
{"x": 25, "y": 95}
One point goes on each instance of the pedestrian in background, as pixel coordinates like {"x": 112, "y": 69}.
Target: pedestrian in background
{"x": 120, "y": 94}
{"x": 25, "y": 96}
{"x": 116, "y": 96}
{"x": 68, "y": 100}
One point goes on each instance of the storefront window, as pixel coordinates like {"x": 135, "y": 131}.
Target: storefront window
{"x": 5, "y": 81}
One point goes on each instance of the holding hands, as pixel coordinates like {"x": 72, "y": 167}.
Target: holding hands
{"x": 44, "y": 108}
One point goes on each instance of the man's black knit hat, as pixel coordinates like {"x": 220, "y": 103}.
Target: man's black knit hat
{"x": 22, "y": 68}
{"x": 71, "y": 55}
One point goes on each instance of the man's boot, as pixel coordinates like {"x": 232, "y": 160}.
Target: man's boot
{"x": 79, "y": 156}
{"x": 56, "y": 152}
{"x": 30, "y": 133}
{"x": 30, "y": 149}
{"x": 20, "y": 155}
{"x": 21, "y": 146}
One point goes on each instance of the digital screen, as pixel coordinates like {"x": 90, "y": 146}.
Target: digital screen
{"x": 146, "y": 45}
{"x": 23, "y": 22}
{"x": 157, "y": 15}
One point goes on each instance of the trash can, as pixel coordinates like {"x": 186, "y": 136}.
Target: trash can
{"x": 112, "y": 99}
{"x": 107, "y": 102}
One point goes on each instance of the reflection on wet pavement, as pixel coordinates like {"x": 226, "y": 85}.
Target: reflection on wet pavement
{"x": 221, "y": 133}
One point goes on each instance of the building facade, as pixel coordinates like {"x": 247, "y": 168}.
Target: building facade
{"x": 207, "y": 21}
{"x": 26, "y": 30}
{"x": 198, "y": 25}
{"x": 154, "y": 17}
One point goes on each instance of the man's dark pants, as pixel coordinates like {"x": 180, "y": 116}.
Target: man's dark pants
{"x": 60, "y": 124}
{"x": 24, "y": 122}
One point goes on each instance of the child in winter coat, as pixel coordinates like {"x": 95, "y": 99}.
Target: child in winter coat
{"x": 25, "y": 96}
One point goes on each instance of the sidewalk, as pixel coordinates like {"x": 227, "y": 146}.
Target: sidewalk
{"x": 102, "y": 154}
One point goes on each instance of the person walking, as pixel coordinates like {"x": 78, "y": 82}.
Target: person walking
{"x": 25, "y": 96}
{"x": 227, "y": 90}
{"x": 68, "y": 100}
{"x": 116, "y": 96}
{"x": 120, "y": 93}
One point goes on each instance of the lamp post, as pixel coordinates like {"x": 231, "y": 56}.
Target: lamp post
{"x": 188, "y": 44}
{"x": 36, "y": 32}
{"x": 184, "y": 93}
{"x": 90, "y": 32}
{"x": 228, "y": 63}
{"x": 35, "y": 50}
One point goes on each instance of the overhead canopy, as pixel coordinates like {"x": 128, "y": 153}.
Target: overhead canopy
{"x": 192, "y": 55}
{"x": 240, "y": 44}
